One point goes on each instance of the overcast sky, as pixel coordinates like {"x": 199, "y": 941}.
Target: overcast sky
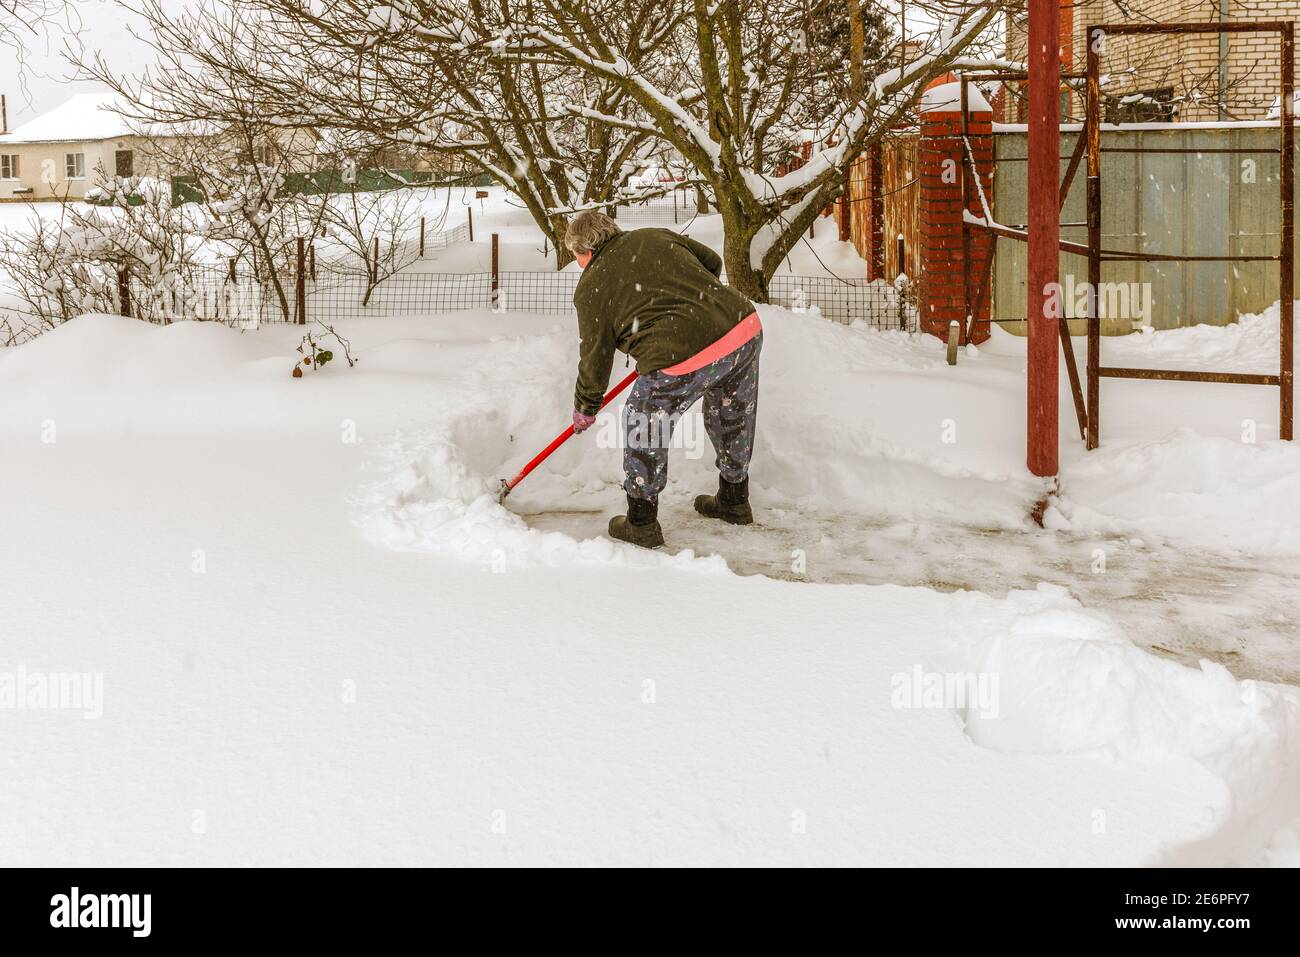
{"x": 44, "y": 82}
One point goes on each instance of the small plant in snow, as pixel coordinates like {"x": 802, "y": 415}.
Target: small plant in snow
{"x": 314, "y": 355}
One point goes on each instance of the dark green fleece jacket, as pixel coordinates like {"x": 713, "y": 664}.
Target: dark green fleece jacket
{"x": 654, "y": 295}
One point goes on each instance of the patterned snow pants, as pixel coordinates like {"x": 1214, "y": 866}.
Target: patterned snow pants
{"x": 658, "y": 401}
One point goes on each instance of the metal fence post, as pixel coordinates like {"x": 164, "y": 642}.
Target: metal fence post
{"x": 470, "y": 210}
{"x": 421, "y": 237}
{"x": 496, "y": 270}
{"x": 300, "y": 282}
{"x": 124, "y": 289}
{"x": 900, "y": 288}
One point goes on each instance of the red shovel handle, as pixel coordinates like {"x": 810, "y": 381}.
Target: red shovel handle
{"x": 508, "y": 487}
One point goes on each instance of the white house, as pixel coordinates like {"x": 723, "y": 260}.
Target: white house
{"x": 55, "y": 155}
{"x": 58, "y": 155}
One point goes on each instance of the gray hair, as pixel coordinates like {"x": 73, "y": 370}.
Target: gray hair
{"x": 588, "y": 230}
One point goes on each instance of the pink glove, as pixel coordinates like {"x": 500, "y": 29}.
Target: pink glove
{"x": 582, "y": 422}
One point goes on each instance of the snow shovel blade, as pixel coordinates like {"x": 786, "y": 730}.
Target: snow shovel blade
{"x": 540, "y": 457}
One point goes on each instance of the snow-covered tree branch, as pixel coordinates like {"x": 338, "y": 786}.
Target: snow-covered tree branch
{"x": 750, "y": 83}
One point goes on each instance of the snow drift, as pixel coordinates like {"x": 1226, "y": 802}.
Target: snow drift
{"x": 1192, "y": 765}
{"x": 1071, "y": 683}
{"x": 833, "y": 400}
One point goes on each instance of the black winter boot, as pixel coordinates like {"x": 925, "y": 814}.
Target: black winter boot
{"x": 731, "y": 504}
{"x": 640, "y": 526}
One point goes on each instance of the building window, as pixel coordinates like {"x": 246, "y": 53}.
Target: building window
{"x": 266, "y": 154}
{"x": 9, "y": 166}
{"x": 74, "y": 165}
{"x": 124, "y": 162}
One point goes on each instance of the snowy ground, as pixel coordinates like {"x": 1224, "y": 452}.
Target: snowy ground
{"x": 321, "y": 641}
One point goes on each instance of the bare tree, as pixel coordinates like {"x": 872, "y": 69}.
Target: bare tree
{"x": 236, "y": 170}
{"x": 370, "y": 229}
{"x": 750, "y": 80}
{"x": 21, "y": 20}
{"x": 561, "y": 100}
{"x": 436, "y": 85}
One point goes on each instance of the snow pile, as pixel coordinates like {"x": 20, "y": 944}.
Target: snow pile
{"x": 431, "y": 500}
{"x": 1193, "y": 464}
{"x": 1125, "y": 703}
{"x": 1069, "y": 681}
{"x": 849, "y": 420}
{"x": 1228, "y": 495}
{"x": 859, "y": 418}
{"x": 1248, "y": 345}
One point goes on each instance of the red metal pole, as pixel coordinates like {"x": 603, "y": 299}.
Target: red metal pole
{"x": 540, "y": 457}
{"x": 1286, "y": 257}
{"x": 1092, "y": 130}
{"x": 1043, "y": 395}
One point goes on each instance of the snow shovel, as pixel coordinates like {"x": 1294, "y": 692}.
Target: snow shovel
{"x": 508, "y": 487}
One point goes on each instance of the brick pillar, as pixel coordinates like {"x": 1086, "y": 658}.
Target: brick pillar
{"x": 943, "y": 269}
{"x": 876, "y": 211}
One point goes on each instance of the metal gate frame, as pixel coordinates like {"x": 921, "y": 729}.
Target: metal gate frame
{"x": 1284, "y": 380}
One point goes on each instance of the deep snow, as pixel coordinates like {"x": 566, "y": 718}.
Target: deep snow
{"x": 320, "y": 650}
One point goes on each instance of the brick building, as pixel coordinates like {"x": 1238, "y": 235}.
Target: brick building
{"x": 1179, "y": 78}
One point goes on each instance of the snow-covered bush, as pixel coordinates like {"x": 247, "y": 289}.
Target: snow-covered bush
{"x": 135, "y": 243}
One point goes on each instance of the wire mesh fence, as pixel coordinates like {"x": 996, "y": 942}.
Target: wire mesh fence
{"x": 878, "y": 303}
{"x": 447, "y": 237}
{"x": 240, "y": 294}
{"x": 406, "y": 294}
{"x": 677, "y": 210}
{"x": 338, "y": 283}
{"x": 214, "y": 293}
{"x": 536, "y": 291}
{"x": 338, "y": 297}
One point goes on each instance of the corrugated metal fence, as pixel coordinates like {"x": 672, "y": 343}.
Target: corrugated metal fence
{"x": 1194, "y": 204}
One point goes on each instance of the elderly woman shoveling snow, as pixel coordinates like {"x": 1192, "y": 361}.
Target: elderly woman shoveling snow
{"x": 657, "y": 296}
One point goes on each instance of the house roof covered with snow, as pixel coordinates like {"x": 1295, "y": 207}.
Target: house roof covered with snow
{"x": 86, "y": 117}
